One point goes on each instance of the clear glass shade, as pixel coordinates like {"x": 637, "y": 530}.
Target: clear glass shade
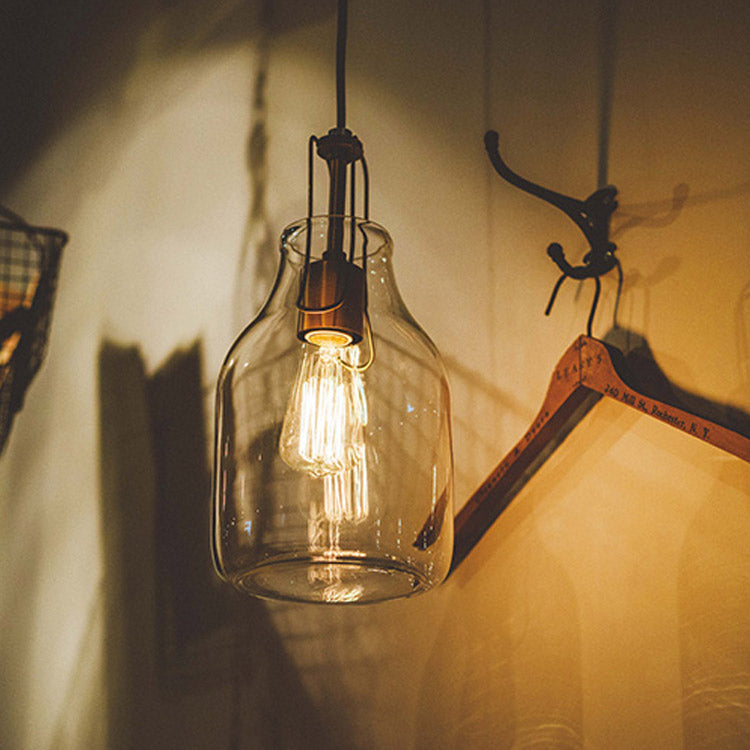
{"x": 333, "y": 473}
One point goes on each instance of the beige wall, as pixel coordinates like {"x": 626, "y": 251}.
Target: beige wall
{"x": 608, "y": 606}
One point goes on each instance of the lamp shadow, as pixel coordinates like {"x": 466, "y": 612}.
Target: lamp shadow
{"x": 62, "y": 57}
{"x": 188, "y": 661}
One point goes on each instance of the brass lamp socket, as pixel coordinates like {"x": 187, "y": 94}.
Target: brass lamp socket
{"x": 333, "y": 281}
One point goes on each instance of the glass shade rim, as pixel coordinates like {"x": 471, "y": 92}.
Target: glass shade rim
{"x": 298, "y": 227}
{"x": 411, "y": 579}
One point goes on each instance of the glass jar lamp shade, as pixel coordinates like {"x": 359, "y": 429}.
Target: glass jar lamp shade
{"x": 333, "y": 472}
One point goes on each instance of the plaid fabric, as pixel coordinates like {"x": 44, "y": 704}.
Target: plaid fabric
{"x": 29, "y": 263}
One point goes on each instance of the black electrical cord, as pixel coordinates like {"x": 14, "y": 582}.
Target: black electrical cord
{"x": 340, "y": 66}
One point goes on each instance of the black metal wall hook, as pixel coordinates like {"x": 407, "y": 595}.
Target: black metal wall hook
{"x": 592, "y": 216}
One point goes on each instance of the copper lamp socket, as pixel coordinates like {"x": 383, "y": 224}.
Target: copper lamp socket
{"x": 333, "y": 283}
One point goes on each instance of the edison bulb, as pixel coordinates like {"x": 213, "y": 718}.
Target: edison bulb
{"x": 353, "y": 397}
{"x": 323, "y": 432}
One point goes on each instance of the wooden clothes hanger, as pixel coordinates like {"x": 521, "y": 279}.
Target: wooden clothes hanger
{"x": 587, "y": 371}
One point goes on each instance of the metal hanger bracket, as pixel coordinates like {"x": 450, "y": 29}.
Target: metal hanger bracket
{"x": 592, "y": 216}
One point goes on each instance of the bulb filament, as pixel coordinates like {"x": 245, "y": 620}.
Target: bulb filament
{"x": 323, "y": 433}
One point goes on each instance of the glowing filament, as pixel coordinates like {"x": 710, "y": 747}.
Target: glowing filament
{"x": 323, "y": 432}
{"x": 345, "y": 493}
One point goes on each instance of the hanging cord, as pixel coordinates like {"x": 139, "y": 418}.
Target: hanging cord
{"x": 341, "y": 65}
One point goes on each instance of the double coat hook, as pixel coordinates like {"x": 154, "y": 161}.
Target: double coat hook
{"x": 592, "y": 216}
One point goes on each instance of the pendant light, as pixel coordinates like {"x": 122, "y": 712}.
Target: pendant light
{"x": 333, "y": 471}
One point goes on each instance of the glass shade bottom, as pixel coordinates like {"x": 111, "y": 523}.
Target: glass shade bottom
{"x": 341, "y": 580}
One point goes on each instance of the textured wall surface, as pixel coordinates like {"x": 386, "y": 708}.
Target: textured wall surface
{"x": 608, "y": 606}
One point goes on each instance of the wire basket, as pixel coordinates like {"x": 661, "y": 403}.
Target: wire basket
{"x": 29, "y": 263}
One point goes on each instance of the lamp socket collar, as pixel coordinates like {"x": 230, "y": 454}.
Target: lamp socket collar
{"x": 340, "y": 144}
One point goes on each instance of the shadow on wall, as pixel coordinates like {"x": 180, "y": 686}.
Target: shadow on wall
{"x": 526, "y": 633}
{"x": 256, "y": 254}
{"x": 645, "y": 374}
{"x": 64, "y": 55}
{"x": 187, "y": 661}
{"x": 714, "y": 599}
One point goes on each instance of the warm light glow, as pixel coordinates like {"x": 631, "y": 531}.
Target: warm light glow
{"x": 345, "y": 493}
{"x": 323, "y": 432}
{"x": 328, "y": 338}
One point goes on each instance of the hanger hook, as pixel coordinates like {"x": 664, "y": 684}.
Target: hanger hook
{"x": 591, "y": 216}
